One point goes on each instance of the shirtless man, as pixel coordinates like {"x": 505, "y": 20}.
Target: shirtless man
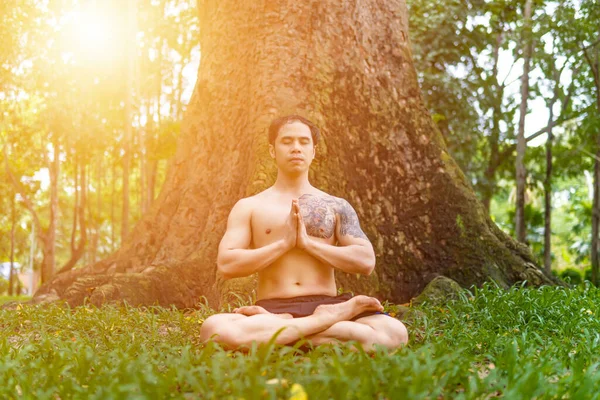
{"x": 295, "y": 236}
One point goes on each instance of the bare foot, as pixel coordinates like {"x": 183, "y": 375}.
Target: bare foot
{"x": 250, "y": 310}
{"x": 255, "y": 310}
{"x": 349, "y": 309}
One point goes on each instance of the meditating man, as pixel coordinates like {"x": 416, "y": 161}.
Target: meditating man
{"x": 295, "y": 236}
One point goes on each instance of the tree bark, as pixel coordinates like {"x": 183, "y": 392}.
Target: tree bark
{"x": 348, "y": 67}
{"x": 595, "y": 69}
{"x": 521, "y": 144}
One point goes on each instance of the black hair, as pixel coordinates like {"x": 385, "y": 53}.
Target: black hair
{"x": 281, "y": 121}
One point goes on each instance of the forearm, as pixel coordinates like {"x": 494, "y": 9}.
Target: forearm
{"x": 236, "y": 263}
{"x": 354, "y": 259}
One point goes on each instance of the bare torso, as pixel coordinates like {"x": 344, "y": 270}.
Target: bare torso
{"x": 296, "y": 273}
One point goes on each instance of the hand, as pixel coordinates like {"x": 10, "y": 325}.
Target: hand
{"x": 301, "y": 235}
{"x": 291, "y": 228}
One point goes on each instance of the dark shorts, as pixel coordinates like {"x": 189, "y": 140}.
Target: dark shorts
{"x": 303, "y": 306}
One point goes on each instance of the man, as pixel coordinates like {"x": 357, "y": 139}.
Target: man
{"x": 295, "y": 236}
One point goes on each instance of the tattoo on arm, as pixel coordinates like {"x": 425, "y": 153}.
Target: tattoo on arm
{"x": 318, "y": 215}
{"x": 349, "y": 224}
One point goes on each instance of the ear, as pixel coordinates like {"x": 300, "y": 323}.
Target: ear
{"x": 314, "y": 151}
{"x": 272, "y": 151}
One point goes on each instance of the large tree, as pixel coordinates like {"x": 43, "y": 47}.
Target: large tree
{"x": 348, "y": 67}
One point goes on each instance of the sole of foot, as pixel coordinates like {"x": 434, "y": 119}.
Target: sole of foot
{"x": 350, "y": 308}
{"x": 249, "y": 311}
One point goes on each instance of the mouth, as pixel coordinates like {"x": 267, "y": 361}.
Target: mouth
{"x": 296, "y": 159}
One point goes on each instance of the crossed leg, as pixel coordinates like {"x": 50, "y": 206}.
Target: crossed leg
{"x": 371, "y": 331}
{"x": 238, "y": 330}
{"x": 329, "y": 323}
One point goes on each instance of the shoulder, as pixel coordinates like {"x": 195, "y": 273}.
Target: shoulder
{"x": 339, "y": 204}
{"x": 246, "y": 206}
{"x": 342, "y": 206}
{"x": 243, "y": 208}
{"x": 252, "y": 201}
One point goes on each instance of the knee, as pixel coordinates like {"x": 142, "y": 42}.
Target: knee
{"x": 397, "y": 334}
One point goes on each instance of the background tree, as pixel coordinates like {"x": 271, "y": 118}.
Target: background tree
{"x": 356, "y": 80}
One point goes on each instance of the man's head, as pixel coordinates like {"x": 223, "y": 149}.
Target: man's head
{"x": 292, "y": 143}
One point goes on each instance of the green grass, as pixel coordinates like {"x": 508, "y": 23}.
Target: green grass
{"x": 7, "y": 299}
{"x": 519, "y": 344}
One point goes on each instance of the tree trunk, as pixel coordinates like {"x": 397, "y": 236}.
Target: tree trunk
{"x": 77, "y": 251}
{"x": 596, "y": 214}
{"x": 595, "y": 69}
{"x": 33, "y": 282}
{"x": 131, "y": 17}
{"x": 49, "y": 237}
{"x": 112, "y": 207}
{"x": 13, "y": 223}
{"x": 548, "y": 189}
{"x": 76, "y": 201}
{"x": 348, "y": 67}
{"x": 97, "y": 220}
{"x": 488, "y": 187}
{"x": 521, "y": 144}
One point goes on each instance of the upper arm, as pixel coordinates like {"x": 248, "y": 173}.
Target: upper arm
{"x": 347, "y": 228}
{"x": 239, "y": 232}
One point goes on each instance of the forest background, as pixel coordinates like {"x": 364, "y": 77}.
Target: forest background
{"x": 92, "y": 96}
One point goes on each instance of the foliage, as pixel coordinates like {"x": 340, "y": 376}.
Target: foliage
{"x": 571, "y": 275}
{"x": 520, "y": 343}
{"x": 63, "y": 92}
{"x": 587, "y": 274}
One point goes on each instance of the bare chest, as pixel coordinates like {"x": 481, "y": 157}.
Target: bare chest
{"x": 318, "y": 213}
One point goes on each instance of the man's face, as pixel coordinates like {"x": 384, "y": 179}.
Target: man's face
{"x": 294, "y": 149}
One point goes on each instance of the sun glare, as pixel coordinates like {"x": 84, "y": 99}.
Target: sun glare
{"x": 95, "y": 35}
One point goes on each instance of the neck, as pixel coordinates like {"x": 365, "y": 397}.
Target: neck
{"x": 294, "y": 184}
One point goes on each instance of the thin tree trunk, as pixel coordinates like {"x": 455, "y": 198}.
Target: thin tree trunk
{"x": 33, "y": 282}
{"x": 143, "y": 170}
{"x": 77, "y": 252}
{"x": 49, "y": 261}
{"x": 489, "y": 183}
{"x": 131, "y": 18}
{"x": 521, "y": 143}
{"x": 596, "y": 214}
{"x": 13, "y": 223}
{"x": 112, "y": 207}
{"x": 76, "y": 202}
{"x": 595, "y": 68}
{"x": 96, "y": 221}
{"x": 548, "y": 189}
{"x": 152, "y": 135}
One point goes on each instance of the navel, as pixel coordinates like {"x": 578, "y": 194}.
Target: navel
{"x": 268, "y": 231}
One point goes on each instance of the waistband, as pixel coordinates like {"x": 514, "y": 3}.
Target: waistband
{"x": 304, "y": 299}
